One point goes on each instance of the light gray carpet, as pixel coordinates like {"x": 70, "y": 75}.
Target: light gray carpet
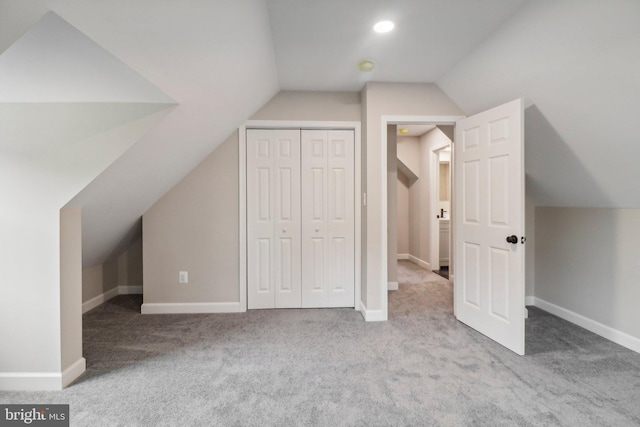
{"x": 329, "y": 367}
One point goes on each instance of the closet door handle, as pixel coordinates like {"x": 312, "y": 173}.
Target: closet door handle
{"x": 512, "y": 239}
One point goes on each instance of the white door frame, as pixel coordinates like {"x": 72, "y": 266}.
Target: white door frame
{"x": 385, "y": 121}
{"x": 434, "y": 200}
{"x": 242, "y": 183}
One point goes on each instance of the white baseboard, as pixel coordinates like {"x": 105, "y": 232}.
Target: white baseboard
{"x": 372, "y": 315}
{"x": 618, "y": 337}
{"x": 392, "y": 286}
{"x": 530, "y": 300}
{"x": 42, "y": 381}
{"x": 403, "y": 257}
{"x": 130, "y": 290}
{"x": 100, "y": 299}
{"x": 194, "y": 307}
{"x": 420, "y": 263}
{"x": 30, "y": 381}
{"x": 72, "y": 373}
{"x": 111, "y": 293}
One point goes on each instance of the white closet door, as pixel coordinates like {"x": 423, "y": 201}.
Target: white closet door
{"x": 273, "y": 218}
{"x": 328, "y": 260}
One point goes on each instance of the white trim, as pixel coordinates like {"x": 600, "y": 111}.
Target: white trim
{"x": 72, "y": 373}
{"x": 530, "y": 300}
{"x": 130, "y": 290}
{"x": 373, "y": 315}
{"x": 618, "y": 337}
{"x": 357, "y": 194}
{"x": 420, "y": 120}
{"x": 302, "y": 124}
{"x": 192, "y": 307}
{"x": 111, "y": 293}
{"x": 420, "y": 263}
{"x": 434, "y": 193}
{"x": 30, "y": 381}
{"x": 385, "y": 121}
{"x": 242, "y": 210}
{"x": 392, "y": 286}
{"x": 100, "y": 299}
{"x": 403, "y": 257}
{"x": 383, "y": 230}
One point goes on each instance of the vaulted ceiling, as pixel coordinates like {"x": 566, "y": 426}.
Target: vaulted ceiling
{"x": 318, "y": 44}
{"x": 575, "y": 63}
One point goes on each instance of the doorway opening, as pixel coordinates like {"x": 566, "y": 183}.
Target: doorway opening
{"x": 440, "y": 195}
{"x": 419, "y": 197}
{"x": 422, "y": 197}
{"x": 489, "y": 185}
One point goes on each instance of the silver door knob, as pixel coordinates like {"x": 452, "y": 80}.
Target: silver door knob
{"x": 317, "y": 229}
{"x": 284, "y": 230}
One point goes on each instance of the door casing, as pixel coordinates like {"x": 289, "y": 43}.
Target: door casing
{"x": 242, "y": 183}
{"x": 386, "y": 121}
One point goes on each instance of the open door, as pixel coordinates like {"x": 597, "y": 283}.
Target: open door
{"x": 489, "y": 224}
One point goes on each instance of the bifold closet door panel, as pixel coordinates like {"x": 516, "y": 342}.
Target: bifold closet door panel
{"x": 328, "y": 247}
{"x": 273, "y": 219}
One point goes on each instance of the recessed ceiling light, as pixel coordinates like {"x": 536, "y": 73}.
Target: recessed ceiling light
{"x": 403, "y": 131}
{"x": 383, "y": 27}
{"x": 366, "y": 66}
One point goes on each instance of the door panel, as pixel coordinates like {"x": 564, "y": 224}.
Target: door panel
{"x": 273, "y": 218}
{"x": 264, "y": 266}
{"x": 328, "y": 218}
{"x": 489, "y": 167}
{"x": 300, "y": 219}
{"x": 471, "y": 268}
{"x": 316, "y": 265}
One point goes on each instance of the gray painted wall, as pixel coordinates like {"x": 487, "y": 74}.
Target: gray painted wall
{"x": 383, "y": 99}
{"x": 122, "y": 270}
{"x": 392, "y": 201}
{"x": 194, "y": 227}
{"x": 571, "y": 62}
{"x": 403, "y": 214}
{"x": 313, "y": 106}
{"x": 70, "y": 287}
{"x": 587, "y": 262}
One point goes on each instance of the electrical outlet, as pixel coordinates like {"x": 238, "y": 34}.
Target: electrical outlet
{"x": 183, "y": 277}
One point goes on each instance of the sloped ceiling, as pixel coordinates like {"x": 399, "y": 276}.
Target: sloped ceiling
{"x": 576, "y": 64}
{"x": 68, "y": 109}
{"x": 213, "y": 58}
{"x": 318, "y": 44}
{"x": 54, "y": 62}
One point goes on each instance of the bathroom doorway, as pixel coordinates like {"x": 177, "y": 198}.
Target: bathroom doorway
{"x": 424, "y": 189}
{"x": 441, "y": 199}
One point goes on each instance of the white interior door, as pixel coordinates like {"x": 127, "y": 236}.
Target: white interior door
{"x": 273, "y": 219}
{"x": 328, "y": 256}
{"x": 489, "y": 177}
